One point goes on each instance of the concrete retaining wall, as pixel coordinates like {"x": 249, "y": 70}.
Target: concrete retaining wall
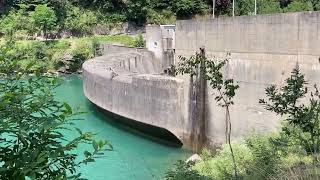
{"x": 140, "y": 94}
{"x": 264, "y": 49}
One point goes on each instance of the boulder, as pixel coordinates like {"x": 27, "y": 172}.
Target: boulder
{"x": 194, "y": 158}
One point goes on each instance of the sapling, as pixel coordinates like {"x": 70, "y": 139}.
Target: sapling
{"x": 225, "y": 88}
{"x": 291, "y": 100}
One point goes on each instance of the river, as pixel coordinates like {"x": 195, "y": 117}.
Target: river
{"x": 133, "y": 157}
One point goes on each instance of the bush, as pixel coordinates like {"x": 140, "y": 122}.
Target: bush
{"x": 266, "y": 159}
{"x": 14, "y": 22}
{"x": 44, "y": 19}
{"x": 259, "y": 157}
{"x": 299, "y": 5}
{"x": 184, "y": 171}
{"x": 160, "y": 17}
{"x": 268, "y": 7}
{"x": 139, "y": 41}
{"x": 220, "y": 166}
{"x": 79, "y": 21}
{"x": 188, "y": 8}
{"x": 79, "y": 55}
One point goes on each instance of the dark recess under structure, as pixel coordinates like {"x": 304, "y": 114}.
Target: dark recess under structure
{"x": 144, "y": 130}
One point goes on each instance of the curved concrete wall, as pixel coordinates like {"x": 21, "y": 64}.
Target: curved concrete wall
{"x": 139, "y": 94}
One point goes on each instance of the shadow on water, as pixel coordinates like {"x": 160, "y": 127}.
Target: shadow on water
{"x": 153, "y": 133}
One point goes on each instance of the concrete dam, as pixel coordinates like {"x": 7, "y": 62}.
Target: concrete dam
{"x": 134, "y": 84}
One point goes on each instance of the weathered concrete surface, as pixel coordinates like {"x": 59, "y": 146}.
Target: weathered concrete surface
{"x": 264, "y": 49}
{"x": 161, "y": 41}
{"x": 140, "y": 93}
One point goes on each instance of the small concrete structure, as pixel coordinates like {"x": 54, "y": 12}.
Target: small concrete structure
{"x": 161, "y": 41}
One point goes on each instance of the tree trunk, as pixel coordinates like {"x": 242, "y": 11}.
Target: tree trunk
{"x": 228, "y": 120}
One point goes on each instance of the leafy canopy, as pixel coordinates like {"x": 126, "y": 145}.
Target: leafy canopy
{"x": 33, "y": 127}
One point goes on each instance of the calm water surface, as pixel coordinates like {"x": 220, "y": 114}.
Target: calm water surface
{"x": 133, "y": 158}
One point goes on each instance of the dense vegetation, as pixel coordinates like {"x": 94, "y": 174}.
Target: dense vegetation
{"x": 85, "y": 17}
{"x": 34, "y": 127}
{"x": 65, "y": 55}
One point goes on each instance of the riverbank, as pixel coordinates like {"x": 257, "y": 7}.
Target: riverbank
{"x": 59, "y": 56}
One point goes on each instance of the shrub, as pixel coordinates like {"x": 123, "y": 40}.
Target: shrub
{"x": 139, "y": 41}
{"x": 268, "y": 7}
{"x": 15, "y": 21}
{"x": 289, "y": 100}
{"x": 220, "y": 166}
{"x": 299, "y": 5}
{"x": 160, "y": 17}
{"x": 184, "y": 171}
{"x": 188, "y": 8}
{"x": 79, "y": 21}
{"x": 80, "y": 54}
{"x": 44, "y": 19}
{"x": 266, "y": 160}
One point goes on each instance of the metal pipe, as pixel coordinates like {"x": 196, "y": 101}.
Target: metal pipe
{"x": 233, "y": 1}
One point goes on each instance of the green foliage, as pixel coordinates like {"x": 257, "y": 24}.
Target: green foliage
{"x": 288, "y": 100}
{"x": 266, "y": 158}
{"x": 149, "y": 11}
{"x": 79, "y": 21}
{"x": 80, "y": 54}
{"x": 299, "y": 5}
{"x": 245, "y": 7}
{"x": 44, "y": 19}
{"x": 137, "y": 11}
{"x": 188, "y": 8}
{"x": 211, "y": 70}
{"x": 33, "y": 124}
{"x": 160, "y": 17}
{"x": 56, "y": 55}
{"x": 15, "y": 21}
{"x": 139, "y": 41}
{"x": 184, "y": 171}
{"x": 268, "y": 7}
{"x": 220, "y": 166}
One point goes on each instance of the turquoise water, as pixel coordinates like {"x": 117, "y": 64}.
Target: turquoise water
{"x": 133, "y": 158}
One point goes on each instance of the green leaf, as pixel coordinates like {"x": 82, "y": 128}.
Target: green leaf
{"x": 87, "y": 154}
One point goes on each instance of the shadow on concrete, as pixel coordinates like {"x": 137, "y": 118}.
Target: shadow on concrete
{"x": 144, "y": 130}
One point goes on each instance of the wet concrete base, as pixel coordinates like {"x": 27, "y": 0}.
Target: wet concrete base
{"x": 153, "y": 133}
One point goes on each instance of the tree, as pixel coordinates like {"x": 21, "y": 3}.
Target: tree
{"x": 225, "y": 88}
{"x": 33, "y": 126}
{"x": 288, "y": 101}
{"x": 139, "y": 41}
{"x": 79, "y": 21}
{"x": 15, "y": 21}
{"x": 268, "y": 7}
{"x": 44, "y": 19}
{"x": 299, "y": 5}
{"x": 137, "y": 11}
{"x": 188, "y": 8}
{"x": 184, "y": 171}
